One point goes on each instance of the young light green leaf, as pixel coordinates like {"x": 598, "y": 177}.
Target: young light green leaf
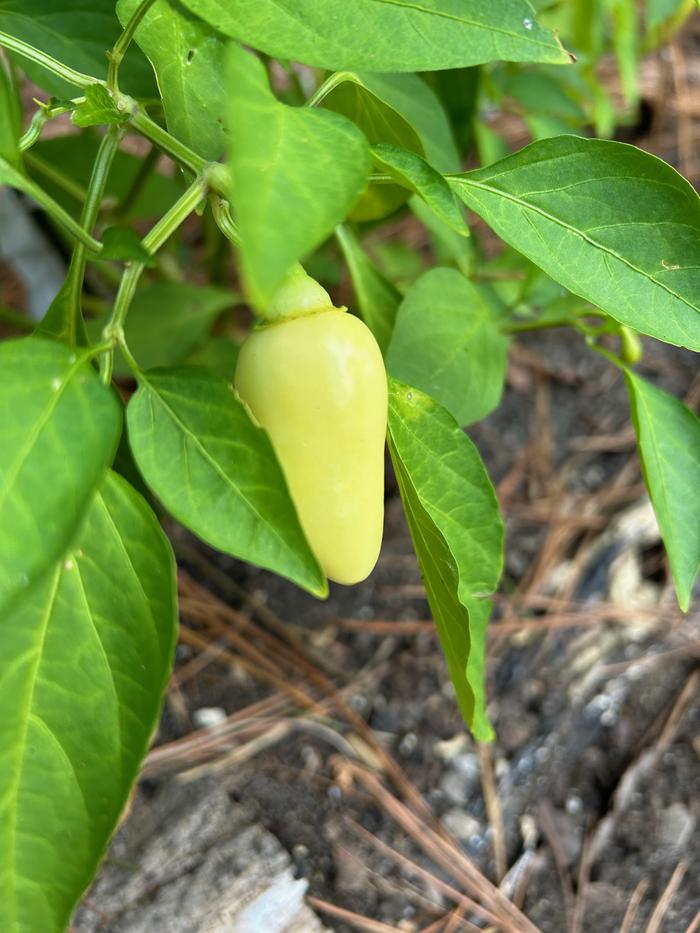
{"x": 457, "y": 532}
{"x": 59, "y": 428}
{"x": 295, "y": 174}
{"x": 217, "y": 473}
{"x": 166, "y": 322}
{"x": 390, "y": 35}
{"x": 188, "y": 57}
{"x": 77, "y": 33}
{"x": 377, "y": 298}
{"x": 85, "y": 654}
{"x": 417, "y": 176}
{"x": 668, "y": 435}
{"x": 97, "y": 109}
{"x": 611, "y": 223}
{"x": 446, "y": 342}
{"x": 448, "y": 245}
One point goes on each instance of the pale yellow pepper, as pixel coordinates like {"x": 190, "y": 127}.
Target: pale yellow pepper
{"x": 314, "y": 378}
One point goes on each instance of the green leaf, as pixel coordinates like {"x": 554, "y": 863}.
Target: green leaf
{"x": 611, "y": 223}
{"x": 74, "y": 155}
{"x": 658, "y": 12}
{"x": 10, "y": 118}
{"x": 59, "y": 428}
{"x": 446, "y": 342}
{"x": 219, "y": 354}
{"x": 85, "y": 655}
{"x": 166, "y": 321}
{"x": 377, "y": 298}
{"x": 457, "y": 532}
{"x": 540, "y": 93}
{"x": 391, "y": 35}
{"x": 97, "y": 109}
{"x": 124, "y": 244}
{"x": 668, "y": 435}
{"x": 77, "y": 33}
{"x": 417, "y": 176}
{"x": 448, "y": 245}
{"x": 418, "y": 103}
{"x": 380, "y": 122}
{"x": 458, "y": 91}
{"x": 217, "y": 473}
{"x": 295, "y": 173}
{"x": 188, "y": 57}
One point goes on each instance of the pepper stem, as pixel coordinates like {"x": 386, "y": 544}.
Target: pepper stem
{"x": 298, "y": 295}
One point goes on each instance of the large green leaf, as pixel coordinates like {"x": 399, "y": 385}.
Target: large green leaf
{"x": 446, "y": 342}
{"x": 378, "y": 299}
{"x": 216, "y": 471}
{"x": 188, "y": 57}
{"x": 668, "y": 434}
{"x": 457, "y": 533}
{"x": 77, "y": 33}
{"x": 295, "y": 172}
{"x": 611, "y": 223}
{"x": 386, "y": 35}
{"x": 85, "y": 654}
{"x": 166, "y": 322}
{"x": 448, "y": 245}
{"x": 59, "y": 428}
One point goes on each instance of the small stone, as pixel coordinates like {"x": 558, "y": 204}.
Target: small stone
{"x": 677, "y": 826}
{"x": 461, "y": 824}
{"x": 449, "y": 749}
{"x": 455, "y": 787}
{"x": 208, "y": 716}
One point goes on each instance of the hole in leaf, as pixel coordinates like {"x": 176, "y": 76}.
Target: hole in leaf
{"x": 190, "y": 56}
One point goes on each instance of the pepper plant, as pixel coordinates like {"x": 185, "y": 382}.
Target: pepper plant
{"x": 292, "y": 131}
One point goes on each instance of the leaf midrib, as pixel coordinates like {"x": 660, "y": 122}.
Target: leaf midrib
{"x": 22, "y": 744}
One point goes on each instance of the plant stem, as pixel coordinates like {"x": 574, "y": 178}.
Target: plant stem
{"x": 122, "y": 44}
{"x": 91, "y": 208}
{"x": 167, "y": 143}
{"x": 47, "y": 61}
{"x": 39, "y": 121}
{"x": 154, "y": 239}
{"x": 521, "y": 327}
{"x": 222, "y": 215}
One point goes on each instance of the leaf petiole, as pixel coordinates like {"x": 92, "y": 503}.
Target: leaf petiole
{"x": 113, "y": 332}
{"x": 47, "y": 61}
{"x": 118, "y": 51}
